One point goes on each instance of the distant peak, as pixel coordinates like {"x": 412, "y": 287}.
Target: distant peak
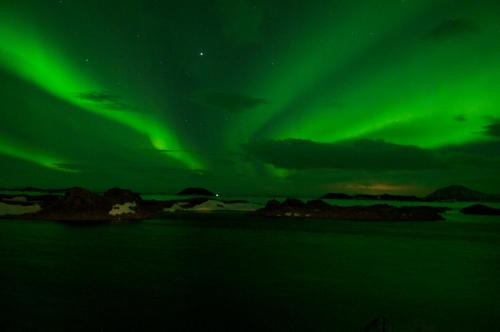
{"x": 460, "y": 193}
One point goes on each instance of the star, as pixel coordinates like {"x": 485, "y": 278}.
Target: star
{"x": 202, "y": 53}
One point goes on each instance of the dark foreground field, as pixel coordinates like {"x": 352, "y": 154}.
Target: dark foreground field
{"x": 226, "y": 275}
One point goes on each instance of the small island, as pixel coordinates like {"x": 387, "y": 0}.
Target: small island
{"x": 479, "y": 209}
{"x": 318, "y": 209}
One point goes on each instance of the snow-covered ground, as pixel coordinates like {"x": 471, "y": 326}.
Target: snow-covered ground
{"x": 15, "y": 210}
{"x": 15, "y": 199}
{"x": 125, "y": 208}
{"x": 213, "y": 206}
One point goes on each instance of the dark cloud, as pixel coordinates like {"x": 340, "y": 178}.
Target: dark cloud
{"x": 487, "y": 148}
{"x": 460, "y": 118}
{"x": 493, "y": 130}
{"x": 361, "y": 155}
{"x": 226, "y": 101}
{"x": 480, "y": 155}
{"x": 452, "y": 28}
{"x": 106, "y": 99}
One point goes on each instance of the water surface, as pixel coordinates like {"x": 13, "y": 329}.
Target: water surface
{"x": 239, "y": 275}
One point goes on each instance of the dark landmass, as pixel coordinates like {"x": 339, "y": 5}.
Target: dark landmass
{"x": 195, "y": 192}
{"x": 337, "y": 196}
{"x": 460, "y": 194}
{"x": 29, "y": 199}
{"x": 479, "y": 209}
{"x": 382, "y": 197}
{"x": 452, "y": 193}
{"x": 78, "y": 204}
{"x": 318, "y": 209}
{"x": 34, "y": 189}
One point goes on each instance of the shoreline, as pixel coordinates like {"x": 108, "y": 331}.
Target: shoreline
{"x": 78, "y": 205}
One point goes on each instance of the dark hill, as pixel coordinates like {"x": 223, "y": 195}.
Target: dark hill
{"x": 461, "y": 194}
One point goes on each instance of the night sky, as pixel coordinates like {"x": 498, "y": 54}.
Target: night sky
{"x": 250, "y": 96}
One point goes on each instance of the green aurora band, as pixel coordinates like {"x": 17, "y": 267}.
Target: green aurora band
{"x": 320, "y": 52}
{"x": 421, "y": 106}
{"x": 26, "y": 54}
{"x": 411, "y": 97}
{"x": 198, "y": 84}
{"x": 31, "y": 154}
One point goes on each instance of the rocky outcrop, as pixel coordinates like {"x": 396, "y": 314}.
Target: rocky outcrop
{"x": 195, "y": 192}
{"x": 80, "y": 204}
{"x": 319, "y": 209}
{"x": 479, "y": 209}
{"x": 121, "y": 196}
{"x": 79, "y": 199}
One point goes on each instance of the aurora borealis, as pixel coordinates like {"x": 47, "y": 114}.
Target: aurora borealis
{"x": 250, "y": 96}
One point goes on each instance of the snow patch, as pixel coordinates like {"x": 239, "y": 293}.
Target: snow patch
{"x": 16, "y": 210}
{"x": 176, "y": 207}
{"x": 213, "y": 206}
{"x": 125, "y": 208}
{"x": 16, "y": 199}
